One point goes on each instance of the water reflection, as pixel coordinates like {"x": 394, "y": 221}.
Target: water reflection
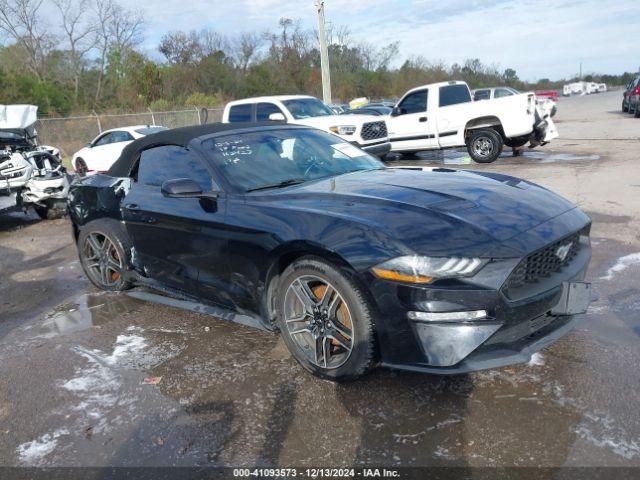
{"x": 87, "y": 311}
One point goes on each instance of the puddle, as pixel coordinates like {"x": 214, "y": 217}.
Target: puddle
{"x": 461, "y": 157}
{"x": 88, "y": 311}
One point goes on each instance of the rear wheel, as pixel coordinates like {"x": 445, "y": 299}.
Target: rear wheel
{"x": 48, "y": 213}
{"x": 484, "y": 145}
{"x": 624, "y": 109}
{"x": 325, "y": 320}
{"x": 636, "y": 112}
{"x": 103, "y": 247}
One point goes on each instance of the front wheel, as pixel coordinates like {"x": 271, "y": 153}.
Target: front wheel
{"x": 103, "y": 247}
{"x": 325, "y": 320}
{"x": 81, "y": 167}
{"x": 484, "y": 145}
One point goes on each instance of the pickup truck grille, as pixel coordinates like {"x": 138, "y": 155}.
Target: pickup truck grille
{"x": 373, "y": 130}
{"x": 544, "y": 262}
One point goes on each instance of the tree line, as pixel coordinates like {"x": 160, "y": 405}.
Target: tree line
{"x": 87, "y": 56}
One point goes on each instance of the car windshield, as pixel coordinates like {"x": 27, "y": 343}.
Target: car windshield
{"x": 307, "y": 107}
{"x": 149, "y": 130}
{"x": 276, "y": 158}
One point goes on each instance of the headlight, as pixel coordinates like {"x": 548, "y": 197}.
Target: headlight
{"x": 418, "y": 269}
{"x": 343, "y": 129}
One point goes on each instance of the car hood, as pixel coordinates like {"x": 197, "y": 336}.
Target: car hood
{"x": 325, "y": 122}
{"x": 462, "y": 210}
{"x": 17, "y": 117}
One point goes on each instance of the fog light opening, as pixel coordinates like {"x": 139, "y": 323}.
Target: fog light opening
{"x": 448, "y": 316}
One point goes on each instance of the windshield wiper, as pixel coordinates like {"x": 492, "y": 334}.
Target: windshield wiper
{"x": 285, "y": 183}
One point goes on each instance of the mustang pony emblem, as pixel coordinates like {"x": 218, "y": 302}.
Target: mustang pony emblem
{"x": 563, "y": 251}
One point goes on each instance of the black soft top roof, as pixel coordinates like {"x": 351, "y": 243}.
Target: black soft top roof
{"x": 175, "y": 136}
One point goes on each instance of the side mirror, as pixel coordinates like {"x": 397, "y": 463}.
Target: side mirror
{"x": 395, "y": 111}
{"x": 89, "y": 145}
{"x": 181, "y": 188}
{"x": 277, "y": 117}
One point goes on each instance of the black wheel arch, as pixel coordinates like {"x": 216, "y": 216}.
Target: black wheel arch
{"x": 281, "y": 258}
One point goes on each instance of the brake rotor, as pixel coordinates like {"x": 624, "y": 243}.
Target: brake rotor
{"x": 342, "y": 314}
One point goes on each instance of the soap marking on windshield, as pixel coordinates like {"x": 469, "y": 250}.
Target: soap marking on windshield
{"x": 348, "y": 150}
{"x": 232, "y": 148}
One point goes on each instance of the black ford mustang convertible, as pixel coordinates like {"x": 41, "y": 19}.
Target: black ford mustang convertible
{"x": 353, "y": 263}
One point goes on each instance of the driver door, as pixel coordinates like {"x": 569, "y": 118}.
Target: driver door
{"x": 179, "y": 242}
{"x": 410, "y": 128}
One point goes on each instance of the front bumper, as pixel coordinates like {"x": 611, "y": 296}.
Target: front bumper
{"x": 502, "y": 355}
{"x": 516, "y": 325}
{"x": 379, "y": 149}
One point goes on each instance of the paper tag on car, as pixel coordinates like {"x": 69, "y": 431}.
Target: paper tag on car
{"x": 348, "y": 149}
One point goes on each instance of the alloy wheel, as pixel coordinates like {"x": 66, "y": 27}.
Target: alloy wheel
{"x": 318, "y": 320}
{"x": 102, "y": 259}
{"x": 483, "y": 146}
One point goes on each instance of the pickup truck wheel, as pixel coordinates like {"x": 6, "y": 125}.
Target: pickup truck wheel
{"x": 325, "y": 320}
{"x": 484, "y": 145}
{"x": 103, "y": 247}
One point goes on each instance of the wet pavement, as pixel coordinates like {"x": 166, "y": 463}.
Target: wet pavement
{"x": 95, "y": 379}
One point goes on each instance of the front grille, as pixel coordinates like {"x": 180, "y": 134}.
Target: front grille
{"x": 544, "y": 262}
{"x": 373, "y": 130}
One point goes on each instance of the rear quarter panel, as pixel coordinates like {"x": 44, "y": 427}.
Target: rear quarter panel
{"x": 513, "y": 112}
{"x": 94, "y": 197}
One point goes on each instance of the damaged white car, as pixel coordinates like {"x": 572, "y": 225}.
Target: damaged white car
{"x": 31, "y": 175}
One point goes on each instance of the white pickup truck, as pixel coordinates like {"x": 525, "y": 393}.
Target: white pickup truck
{"x": 443, "y": 115}
{"x": 367, "y": 132}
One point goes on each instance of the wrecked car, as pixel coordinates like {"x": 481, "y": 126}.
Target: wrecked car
{"x": 442, "y": 115}
{"x": 353, "y": 263}
{"x": 31, "y": 175}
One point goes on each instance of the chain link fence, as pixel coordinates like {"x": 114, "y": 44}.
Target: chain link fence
{"x": 70, "y": 134}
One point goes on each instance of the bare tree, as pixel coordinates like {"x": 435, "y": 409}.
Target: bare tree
{"x": 116, "y": 28}
{"x": 212, "y": 42}
{"x": 79, "y": 34}
{"x": 20, "y": 21}
{"x": 246, "y": 48}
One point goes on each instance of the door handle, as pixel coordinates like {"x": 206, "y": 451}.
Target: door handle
{"x": 422, "y": 119}
{"x": 132, "y": 206}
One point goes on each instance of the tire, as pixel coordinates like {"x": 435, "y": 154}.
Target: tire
{"x": 48, "y": 213}
{"x": 636, "y": 112}
{"x": 342, "y": 339}
{"x": 484, "y": 145}
{"x": 624, "y": 109}
{"x": 105, "y": 266}
{"x": 81, "y": 167}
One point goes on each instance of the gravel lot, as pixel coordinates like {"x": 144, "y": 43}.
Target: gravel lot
{"x": 73, "y": 361}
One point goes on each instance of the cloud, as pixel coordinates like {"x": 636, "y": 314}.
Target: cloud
{"x": 539, "y": 38}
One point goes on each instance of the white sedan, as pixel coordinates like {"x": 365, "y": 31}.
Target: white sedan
{"x": 104, "y": 150}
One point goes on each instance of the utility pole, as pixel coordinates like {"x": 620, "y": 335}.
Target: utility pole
{"x": 580, "y": 70}
{"x": 324, "y": 54}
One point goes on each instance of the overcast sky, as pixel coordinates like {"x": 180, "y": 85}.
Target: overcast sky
{"x": 538, "y": 38}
